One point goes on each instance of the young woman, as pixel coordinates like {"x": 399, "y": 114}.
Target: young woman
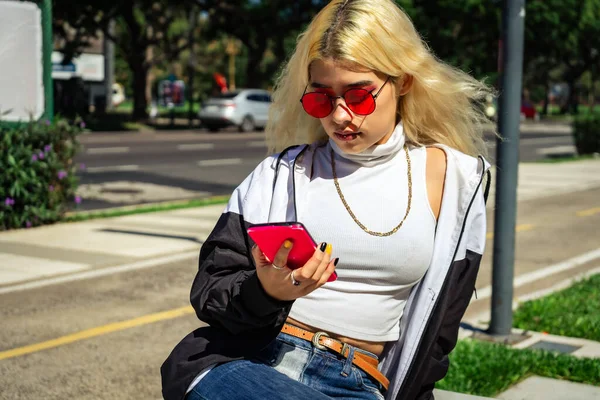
{"x": 390, "y": 184}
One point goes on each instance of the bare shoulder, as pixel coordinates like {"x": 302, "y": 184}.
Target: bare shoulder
{"x": 436, "y": 163}
{"x": 436, "y": 176}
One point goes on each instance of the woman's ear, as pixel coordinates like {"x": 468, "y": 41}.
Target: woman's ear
{"x": 406, "y": 85}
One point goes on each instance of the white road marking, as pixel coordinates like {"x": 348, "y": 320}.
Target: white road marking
{"x": 521, "y": 280}
{"x": 257, "y": 143}
{"x": 107, "y": 150}
{"x": 546, "y": 140}
{"x": 568, "y": 149}
{"x": 223, "y": 161}
{"x": 196, "y": 146}
{"x": 557, "y": 287}
{"x": 113, "y": 168}
{"x": 486, "y": 315}
{"x": 153, "y": 262}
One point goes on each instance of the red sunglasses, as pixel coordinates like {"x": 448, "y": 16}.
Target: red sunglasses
{"x": 359, "y": 101}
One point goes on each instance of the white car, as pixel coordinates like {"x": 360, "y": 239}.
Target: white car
{"x": 247, "y": 109}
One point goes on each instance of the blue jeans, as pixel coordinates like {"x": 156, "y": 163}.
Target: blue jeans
{"x": 292, "y": 369}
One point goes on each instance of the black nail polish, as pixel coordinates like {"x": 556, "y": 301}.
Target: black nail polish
{"x": 323, "y": 246}
{"x": 335, "y": 262}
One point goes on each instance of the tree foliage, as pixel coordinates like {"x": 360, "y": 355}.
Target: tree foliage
{"x": 141, "y": 25}
{"x": 263, "y": 27}
{"x": 561, "y": 36}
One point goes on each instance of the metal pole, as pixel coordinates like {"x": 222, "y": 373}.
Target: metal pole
{"x": 47, "y": 46}
{"x": 507, "y": 158}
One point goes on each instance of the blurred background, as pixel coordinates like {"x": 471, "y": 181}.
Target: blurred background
{"x": 117, "y": 55}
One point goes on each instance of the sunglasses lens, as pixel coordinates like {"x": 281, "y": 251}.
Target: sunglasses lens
{"x": 360, "y": 101}
{"x": 317, "y": 105}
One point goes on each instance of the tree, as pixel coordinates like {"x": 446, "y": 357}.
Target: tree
{"x": 260, "y": 26}
{"x": 141, "y": 24}
{"x": 464, "y": 33}
{"x": 584, "y": 56}
{"x": 549, "y": 34}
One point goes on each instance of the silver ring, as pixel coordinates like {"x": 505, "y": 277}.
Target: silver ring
{"x": 294, "y": 281}
{"x": 276, "y": 267}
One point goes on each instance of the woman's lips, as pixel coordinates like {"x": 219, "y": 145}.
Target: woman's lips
{"x": 346, "y": 136}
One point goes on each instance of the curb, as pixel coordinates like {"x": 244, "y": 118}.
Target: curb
{"x": 211, "y": 200}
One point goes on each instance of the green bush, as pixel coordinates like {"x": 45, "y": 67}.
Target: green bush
{"x": 586, "y": 132}
{"x": 38, "y": 175}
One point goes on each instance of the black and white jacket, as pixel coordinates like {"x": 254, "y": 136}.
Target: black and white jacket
{"x": 242, "y": 318}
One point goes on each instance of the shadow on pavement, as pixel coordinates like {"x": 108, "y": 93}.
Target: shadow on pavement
{"x": 157, "y": 235}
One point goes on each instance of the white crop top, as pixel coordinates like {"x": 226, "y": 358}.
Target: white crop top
{"x": 375, "y": 274}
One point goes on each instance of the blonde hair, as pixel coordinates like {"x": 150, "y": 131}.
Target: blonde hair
{"x": 443, "y": 106}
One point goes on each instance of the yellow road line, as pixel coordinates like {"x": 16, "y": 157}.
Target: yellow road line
{"x": 518, "y": 228}
{"x": 98, "y": 331}
{"x": 588, "y": 213}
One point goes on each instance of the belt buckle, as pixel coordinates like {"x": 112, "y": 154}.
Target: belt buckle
{"x": 316, "y": 338}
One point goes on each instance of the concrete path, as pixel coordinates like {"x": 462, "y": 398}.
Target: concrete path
{"x": 538, "y": 388}
{"x": 32, "y": 254}
{"x": 537, "y": 180}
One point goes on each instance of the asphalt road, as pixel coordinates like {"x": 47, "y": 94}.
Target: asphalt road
{"x": 125, "y": 324}
{"x": 203, "y": 164}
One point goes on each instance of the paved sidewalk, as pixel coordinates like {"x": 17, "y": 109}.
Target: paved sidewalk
{"x": 31, "y": 256}
{"x": 37, "y": 253}
{"x": 538, "y": 388}
{"x": 548, "y": 179}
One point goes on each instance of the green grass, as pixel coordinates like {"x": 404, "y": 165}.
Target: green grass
{"x": 486, "y": 369}
{"x": 127, "y": 107}
{"x": 573, "y": 312}
{"x": 142, "y": 209}
{"x": 554, "y": 110}
{"x": 561, "y": 159}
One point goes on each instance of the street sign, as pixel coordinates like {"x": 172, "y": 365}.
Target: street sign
{"x": 25, "y": 87}
{"x": 89, "y": 67}
{"x": 171, "y": 93}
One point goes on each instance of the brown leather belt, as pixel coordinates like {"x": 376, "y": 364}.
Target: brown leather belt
{"x": 321, "y": 340}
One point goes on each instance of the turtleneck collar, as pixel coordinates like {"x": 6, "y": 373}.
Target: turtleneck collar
{"x": 376, "y": 154}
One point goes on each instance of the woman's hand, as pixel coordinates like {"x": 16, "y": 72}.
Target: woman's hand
{"x": 278, "y": 280}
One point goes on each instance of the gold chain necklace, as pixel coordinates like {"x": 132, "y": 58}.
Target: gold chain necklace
{"x": 364, "y": 228}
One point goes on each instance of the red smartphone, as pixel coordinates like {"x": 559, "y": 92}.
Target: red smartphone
{"x": 270, "y": 237}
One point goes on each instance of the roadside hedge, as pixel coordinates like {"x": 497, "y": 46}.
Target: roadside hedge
{"x": 38, "y": 174}
{"x": 586, "y": 133}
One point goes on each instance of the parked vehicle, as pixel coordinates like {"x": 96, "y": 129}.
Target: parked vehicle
{"x": 247, "y": 109}
{"x": 528, "y": 111}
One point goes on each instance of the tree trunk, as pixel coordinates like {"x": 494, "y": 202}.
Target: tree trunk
{"x": 254, "y": 76}
{"x": 572, "y": 104}
{"x": 273, "y": 69}
{"x": 593, "y": 105}
{"x": 191, "y": 66}
{"x": 136, "y": 59}
{"x": 546, "y": 101}
{"x": 140, "y": 103}
{"x": 546, "y": 94}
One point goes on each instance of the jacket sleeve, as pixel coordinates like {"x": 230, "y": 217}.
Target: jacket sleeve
{"x": 226, "y": 292}
{"x": 438, "y": 362}
{"x": 455, "y": 300}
